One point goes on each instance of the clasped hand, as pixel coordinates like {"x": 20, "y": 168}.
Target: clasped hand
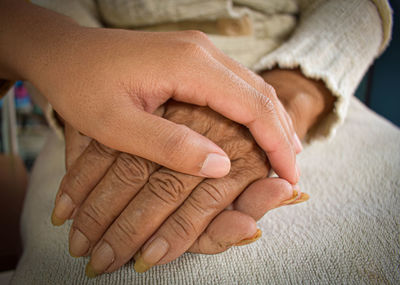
{"x": 124, "y": 205}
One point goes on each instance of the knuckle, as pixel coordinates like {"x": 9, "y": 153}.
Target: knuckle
{"x": 208, "y": 198}
{"x": 264, "y": 106}
{"x": 239, "y": 146}
{"x": 196, "y": 35}
{"x": 183, "y": 227}
{"x": 269, "y": 90}
{"x": 167, "y": 187}
{"x": 253, "y": 166}
{"x": 91, "y": 217}
{"x": 76, "y": 184}
{"x": 102, "y": 149}
{"x": 180, "y": 113}
{"x": 176, "y": 143}
{"x": 131, "y": 170}
{"x": 193, "y": 50}
{"x": 125, "y": 232}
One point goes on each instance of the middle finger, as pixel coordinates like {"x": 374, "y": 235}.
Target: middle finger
{"x": 120, "y": 184}
{"x": 163, "y": 193}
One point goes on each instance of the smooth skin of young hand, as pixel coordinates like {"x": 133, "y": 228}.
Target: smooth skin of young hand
{"x": 307, "y": 101}
{"x": 107, "y": 83}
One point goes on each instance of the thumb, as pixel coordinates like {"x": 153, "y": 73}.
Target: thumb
{"x": 229, "y": 228}
{"x": 267, "y": 194}
{"x": 172, "y": 145}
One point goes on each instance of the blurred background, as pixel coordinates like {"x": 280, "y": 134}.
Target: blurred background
{"x": 24, "y": 131}
{"x": 378, "y": 90}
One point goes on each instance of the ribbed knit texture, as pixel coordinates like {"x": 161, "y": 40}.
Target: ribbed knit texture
{"x": 334, "y": 41}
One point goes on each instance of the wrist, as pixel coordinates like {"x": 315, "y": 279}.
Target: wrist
{"x": 307, "y": 101}
{"x": 30, "y": 38}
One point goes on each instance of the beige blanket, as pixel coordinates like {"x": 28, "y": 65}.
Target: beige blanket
{"x": 349, "y": 232}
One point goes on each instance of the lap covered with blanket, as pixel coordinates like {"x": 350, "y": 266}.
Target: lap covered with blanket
{"x": 348, "y": 231}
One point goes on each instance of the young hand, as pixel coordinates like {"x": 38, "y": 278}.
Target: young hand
{"x": 107, "y": 83}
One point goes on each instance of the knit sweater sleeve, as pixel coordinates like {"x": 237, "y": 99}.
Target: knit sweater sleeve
{"x": 335, "y": 41}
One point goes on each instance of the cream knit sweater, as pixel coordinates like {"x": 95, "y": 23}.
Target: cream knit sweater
{"x": 332, "y": 40}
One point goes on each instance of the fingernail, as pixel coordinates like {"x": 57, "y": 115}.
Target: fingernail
{"x": 136, "y": 256}
{"x": 62, "y": 210}
{"x": 297, "y": 141}
{"x": 291, "y": 199}
{"x": 79, "y": 244}
{"x": 102, "y": 258}
{"x": 140, "y": 266}
{"x": 303, "y": 197}
{"x": 296, "y": 198}
{"x": 216, "y": 165}
{"x": 252, "y": 239}
{"x": 89, "y": 271}
{"x": 151, "y": 255}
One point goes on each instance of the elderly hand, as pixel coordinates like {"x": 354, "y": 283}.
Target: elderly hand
{"x": 148, "y": 208}
{"x": 108, "y": 82}
{"x": 296, "y": 92}
{"x": 307, "y": 101}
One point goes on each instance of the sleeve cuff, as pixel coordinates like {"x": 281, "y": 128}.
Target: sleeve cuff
{"x": 336, "y": 41}
{"x": 385, "y": 12}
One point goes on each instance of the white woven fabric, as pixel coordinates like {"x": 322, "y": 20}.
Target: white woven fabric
{"x": 348, "y": 232}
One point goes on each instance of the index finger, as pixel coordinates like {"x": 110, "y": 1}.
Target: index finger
{"x": 80, "y": 179}
{"x": 225, "y": 92}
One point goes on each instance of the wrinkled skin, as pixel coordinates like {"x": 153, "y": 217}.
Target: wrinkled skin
{"x": 165, "y": 190}
{"x": 304, "y": 99}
